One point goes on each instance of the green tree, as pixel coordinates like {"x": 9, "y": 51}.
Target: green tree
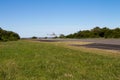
{"x": 96, "y": 32}
{"x": 34, "y": 37}
{"x": 8, "y": 35}
{"x": 62, "y": 36}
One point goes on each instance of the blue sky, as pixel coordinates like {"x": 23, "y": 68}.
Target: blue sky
{"x": 41, "y": 17}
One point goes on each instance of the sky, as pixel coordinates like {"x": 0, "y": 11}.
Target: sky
{"x": 43, "y": 17}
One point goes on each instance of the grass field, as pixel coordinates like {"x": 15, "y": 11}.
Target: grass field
{"x": 29, "y": 60}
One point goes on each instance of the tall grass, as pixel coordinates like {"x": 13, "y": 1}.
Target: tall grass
{"x": 24, "y": 60}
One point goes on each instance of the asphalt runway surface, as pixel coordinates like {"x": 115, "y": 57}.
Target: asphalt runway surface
{"x": 100, "y": 46}
{"x": 109, "y": 44}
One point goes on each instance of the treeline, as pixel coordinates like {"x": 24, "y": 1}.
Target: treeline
{"x": 8, "y": 35}
{"x": 96, "y": 32}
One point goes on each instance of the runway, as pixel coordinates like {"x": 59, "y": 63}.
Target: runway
{"x": 109, "y": 44}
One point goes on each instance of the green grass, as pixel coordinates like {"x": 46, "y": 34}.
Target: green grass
{"x": 25, "y": 60}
